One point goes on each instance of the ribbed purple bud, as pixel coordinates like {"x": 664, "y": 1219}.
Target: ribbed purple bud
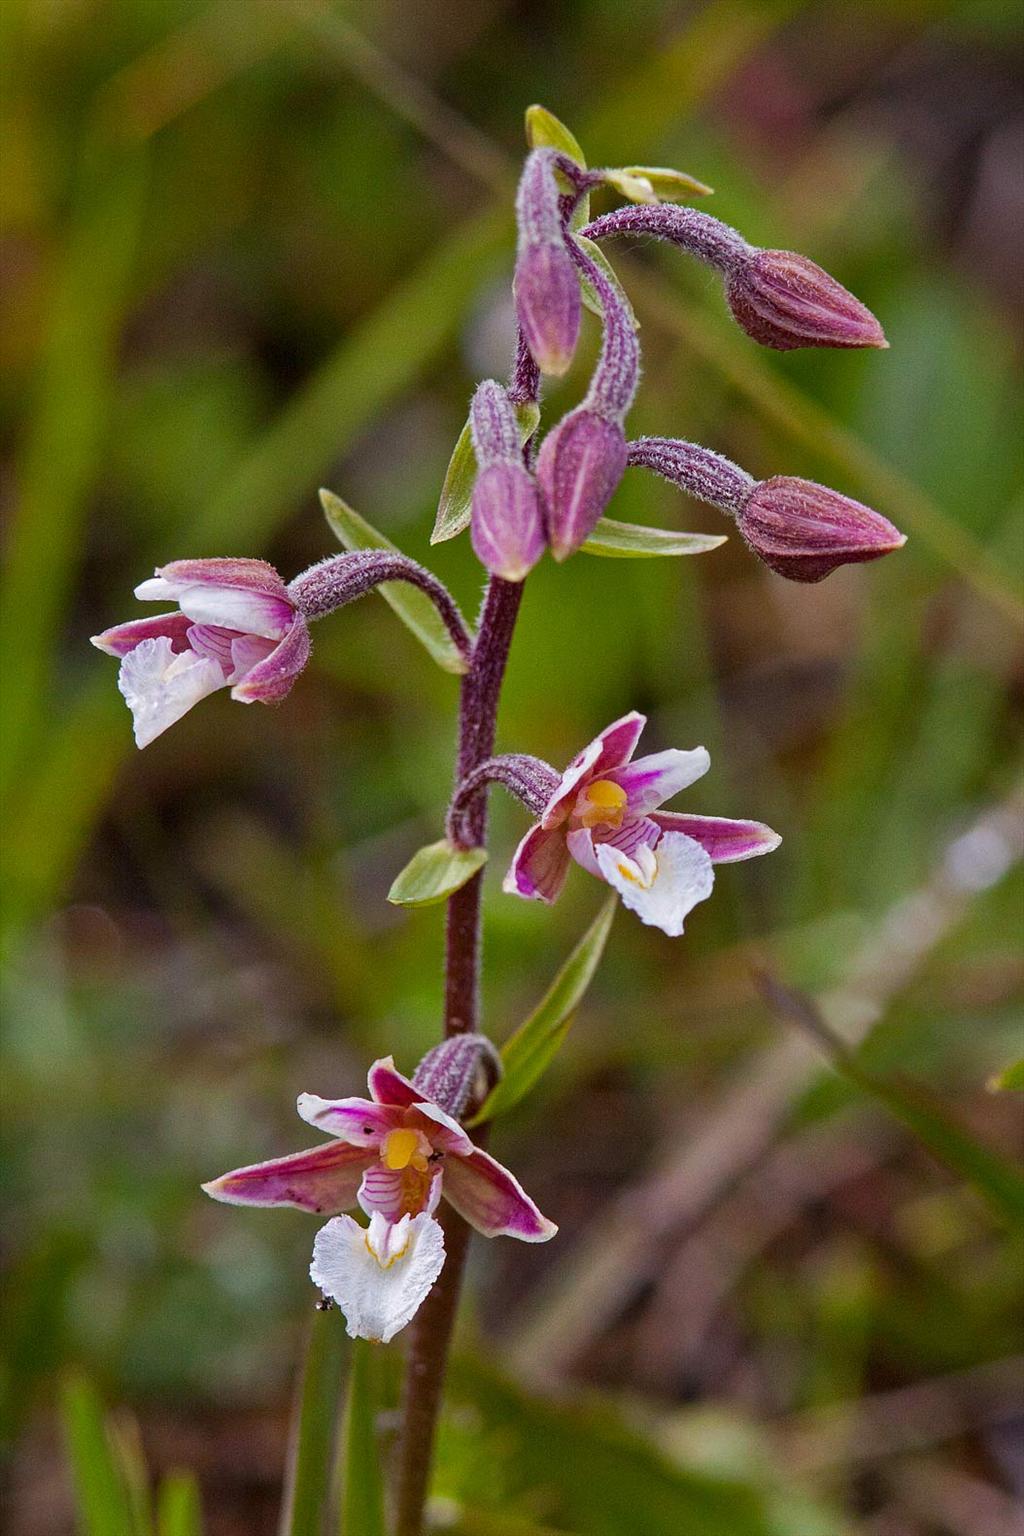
{"x": 784, "y": 301}
{"x": 580, "y": 464}
{"x": 547, "y": 290}
{"x": 459, "y": 1073}
{"x": 803, "y": 530}
{"x": 507, "y": 527}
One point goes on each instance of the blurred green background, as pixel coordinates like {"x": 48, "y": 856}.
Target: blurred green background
{"x": 252, "y": 248}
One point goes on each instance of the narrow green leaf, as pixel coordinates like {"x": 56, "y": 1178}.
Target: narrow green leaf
{"x": 629, "y": 541}
{"x": 591, "y": 298}
{"x": 178, "y": 1510}
{"x": 665, "y": 183}
{"x": 434, "y": 873}
{"x": 995, "y": 1177}
{"x": 636, "y": 188}
{"x": 413, "y": 607}
{"x": 455, "y": 504}
{"x": 102, "y": 1500}
{"x": 363, "y": 1502}
{"x": 530, "y": 1051}
{"x": 313, "y": 1436}
{"x": 545, "y": 130}
{"x": 1010, "y": 1079}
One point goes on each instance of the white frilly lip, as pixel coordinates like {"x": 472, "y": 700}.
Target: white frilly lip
{"x": 379, "y": 1275}
{"x": 661, "y": 886}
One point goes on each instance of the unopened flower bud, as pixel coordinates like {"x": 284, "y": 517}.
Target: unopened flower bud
{"x": 803, "y": 530}
{"x": 783, "y": 300}
{"x": 580, "y": 464}
{"x": 508, "y": 526}
{"x": 507, "y": 521}
{"x": 547, "y": 290}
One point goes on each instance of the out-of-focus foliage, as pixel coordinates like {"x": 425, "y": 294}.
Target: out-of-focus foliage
{"x": 255, "y": 248}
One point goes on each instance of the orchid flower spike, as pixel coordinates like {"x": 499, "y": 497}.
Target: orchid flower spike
{"x": 235, "y": 626}
{"x": 604, "y": 814}
{"x": 393, "y": 1154}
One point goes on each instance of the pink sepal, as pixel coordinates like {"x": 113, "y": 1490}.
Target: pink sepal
{"x": 271, "y": 679}
{"x": 492, "y": 1200}
{"x": 388, "y": 1086}
{"x": 725, "y": 841}
{"x": 612, "y": 748}
{"x": 324, "y": 1179}
{"x": 539, "y": 866}
{"x": 123, "y": 638}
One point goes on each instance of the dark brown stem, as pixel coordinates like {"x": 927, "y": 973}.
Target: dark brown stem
{"x": 431, "y": 1329}
{"x": 478, "y": 716}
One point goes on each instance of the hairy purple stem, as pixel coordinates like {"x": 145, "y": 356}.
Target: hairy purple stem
{"x": 617, "y": 374}
{"x": 432, "y": 1325}
{"x": 702, "y": 473}
{"x": 705, "y": 237}
{"x": 530, "y": 779}
{"x": 342, "y": 578}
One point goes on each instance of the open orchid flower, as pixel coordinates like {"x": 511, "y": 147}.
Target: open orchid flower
{"x": 604, "y": 814}
{"x": 235, "y": 627}
{"x": 393, "y": 1154}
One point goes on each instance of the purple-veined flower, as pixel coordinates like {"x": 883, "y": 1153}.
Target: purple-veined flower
{"x": 394, "y": 1154}
{"x": 604, "y": 814}
{"x": 235, "y": 627}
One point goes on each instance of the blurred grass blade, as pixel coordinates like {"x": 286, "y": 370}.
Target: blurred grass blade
{"x": 178, "y": 1510}
{"x": 628, "y": 541}
{"x": 376, "y": 362}
{"x": 102, "y": 1500}
{"x": 456, "y": 501}
{"x": 60, "y": 462}
{"x": 126, "y": 1443}
{"x": 311, "y": 1461}
{"x": 434, "y": 873}
{"x": 529, "y": 1052}
{"x": 1010, "y": 1079}
{"x": 363, "y": 1499}
{"x": 412, "y": 606}
{"x": 1000, "y": 1181}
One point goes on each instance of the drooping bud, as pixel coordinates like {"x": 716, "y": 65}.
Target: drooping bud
{"x": 547, "y": 291}
{"x": 507, "y": 526}
{"x": 803, "y": 530}
{"x": 579, "y": 467}
{"x": 781, "y": 299}
{"x": 459, "y": 1073}
{"x": 784, "y": 301}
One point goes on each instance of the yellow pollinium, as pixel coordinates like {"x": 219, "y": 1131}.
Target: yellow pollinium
{"x": 601, "y": 804}
{"x": 399, "y": 1149}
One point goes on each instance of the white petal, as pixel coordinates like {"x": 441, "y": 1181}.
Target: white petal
{"x": 379, "y": 1275}
{"x": 252, "y": 613}
{"x": 662, "y": 886}
{"x": 160, "y": 685}
{"x": 155, "y": 590}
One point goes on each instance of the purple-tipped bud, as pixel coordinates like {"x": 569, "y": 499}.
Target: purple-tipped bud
{"x": 547, "y": 289}
{"x": 580, "y": 464}
{"x": 783, "y": 300}
{"x": 803, "y": 530}
{"x": 507, "y": 527}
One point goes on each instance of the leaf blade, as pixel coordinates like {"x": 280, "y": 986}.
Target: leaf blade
{"x": 528, "y": 1052}
{"x": 315, "y": 1417}
{"x": 413, "y": 607}
{"x": 455, "y": 504}
{"x": 363, "y": 1502}
{"x": 434, "y": 873}
{"x": 630, "y": 541}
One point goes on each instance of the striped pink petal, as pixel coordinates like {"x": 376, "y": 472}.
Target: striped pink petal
{"x": 326, "y": 1178}
{"x": 724, "y": 840}
{"x": 360, "y": 1122}
{"x": 123, "y": 638}
{"x": 652, "y": 780}
{"x": 611, "y": 749}
{"x": 540, "y": 865}
{"x": 492, "y": 1200}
